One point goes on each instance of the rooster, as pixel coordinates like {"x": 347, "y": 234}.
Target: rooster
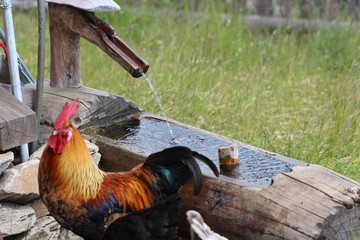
{"x": 139, "y": 204}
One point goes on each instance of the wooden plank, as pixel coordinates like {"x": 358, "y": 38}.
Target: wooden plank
{"x": 28, "y": 95}
{"x": 17, "y": 122}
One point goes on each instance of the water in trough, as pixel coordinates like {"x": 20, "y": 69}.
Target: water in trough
{"x": 147, "y": 135}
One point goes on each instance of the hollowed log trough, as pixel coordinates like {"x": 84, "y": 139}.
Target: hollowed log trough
{"x": 274, "y": 197}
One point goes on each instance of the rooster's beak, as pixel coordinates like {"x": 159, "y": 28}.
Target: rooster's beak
{"x": 55, "y": 132}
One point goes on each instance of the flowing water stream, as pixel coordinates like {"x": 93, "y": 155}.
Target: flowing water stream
{"x": 161, "y": 106}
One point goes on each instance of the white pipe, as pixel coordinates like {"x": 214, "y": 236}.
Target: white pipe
{"x": 13, "y": 64}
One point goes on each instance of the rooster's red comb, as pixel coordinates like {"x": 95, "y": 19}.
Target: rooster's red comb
{"x": 67, "y": 113}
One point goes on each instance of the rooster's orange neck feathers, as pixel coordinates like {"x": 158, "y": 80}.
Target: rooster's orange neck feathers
{"x": 68, "y": 172}
{"x": 69, "y": 169}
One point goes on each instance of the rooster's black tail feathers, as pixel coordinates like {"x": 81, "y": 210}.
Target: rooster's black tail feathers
{"x": 174, "y": 166}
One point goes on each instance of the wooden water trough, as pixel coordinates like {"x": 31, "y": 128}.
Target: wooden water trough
{"x": 273, "y": 197}
{"x": 268, "y": 196}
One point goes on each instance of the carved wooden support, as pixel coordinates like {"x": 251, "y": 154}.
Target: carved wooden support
{"x": 65, "y": 68}
{"x": 67, "y": 25}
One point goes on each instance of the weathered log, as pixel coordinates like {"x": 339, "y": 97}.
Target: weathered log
{"x": 308, "y": 202}
{"x": 301, "y": 204}
{"x": 17, "y": 122}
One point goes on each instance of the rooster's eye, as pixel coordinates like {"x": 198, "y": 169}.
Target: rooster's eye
{"x": 65, "y": 130}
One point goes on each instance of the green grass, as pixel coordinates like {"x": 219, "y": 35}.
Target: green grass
{"x": 293, "y": 93}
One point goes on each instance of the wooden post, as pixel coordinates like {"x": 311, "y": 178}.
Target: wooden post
{"x": 229, "y": 161}
{"x": 354, "y": 7}
{"x": 196, "y": 5}
{"x": 306, "y": 9}
{"x": 65, "y": 67}
{"x": 285, "y": 8}
{"x": 330, "y": 9}
{"x": 264, "y": 7}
